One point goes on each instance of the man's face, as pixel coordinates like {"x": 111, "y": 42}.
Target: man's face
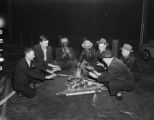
{"x": 30, "y": 55}
{"x": 102, "y": 47}
{"x": 44, "y": 43}
{"x": 125, "y": 53}
{"x": 65, "y": 44}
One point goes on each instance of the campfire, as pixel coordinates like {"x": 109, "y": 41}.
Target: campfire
{"x": 78, "y": 80}
{"x": 79, "y": 83}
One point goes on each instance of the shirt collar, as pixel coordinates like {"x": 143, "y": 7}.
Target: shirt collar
{"x": 28, "y": 62}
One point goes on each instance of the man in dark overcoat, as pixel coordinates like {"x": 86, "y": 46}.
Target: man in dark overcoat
{"x": 25, "y": 77}
{"x": 117, "y": 78}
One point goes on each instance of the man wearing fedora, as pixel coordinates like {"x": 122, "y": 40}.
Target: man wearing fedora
{"x": 129, "y": 59}
{"x": 117, "y": 78}
{"x": 65, "y": 56}
{"x": 88, "y": 53}
{"x": 102, "y": 47}
{"x": 87, "y": 57}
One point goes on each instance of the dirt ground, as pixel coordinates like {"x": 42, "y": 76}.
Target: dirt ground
{"x": 136, "y": 105}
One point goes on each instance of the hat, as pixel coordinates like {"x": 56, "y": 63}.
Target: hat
{"x": 43, "y": 38}
{"x": 87, "y": 44}
{"x": 107, "y": 54}
{"x": 64, "y": 40}
{"x": 102, "y": 40}
{"x": 127, "y": 47}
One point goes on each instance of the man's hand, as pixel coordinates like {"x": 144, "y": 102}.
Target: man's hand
{"x": 90, "y": 67}
{"x": 54, "y": 66}
{"x": 50, "y": 76}
{"x": 55, "y": 69}
{"x": 97, "y": 73}
{"x": 100, "y": 64}
{"x": 93, "y": 75}
{"x": 50, "y": 71}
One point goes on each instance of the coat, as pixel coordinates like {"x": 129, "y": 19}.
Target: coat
{"x": 23, "y": 75}
{"x": 89, "y": 56}
{"x": 62, "y": 57}
{"x": 131, "y": 62}
{"x": 39, "y": 57}
{"x": 99, "y": 58}
{"x": 65, "y": 60}
{"x": 118, "y": 77}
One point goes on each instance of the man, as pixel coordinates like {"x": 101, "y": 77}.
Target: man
{"x": 87, "y": 56}
{"x": 88, "y": 52}
{"x": 25, "y": 77}
{"x": 44, "y": 55}
{"x": 129, "y": 59}
{"x": 118, "y": 77}
{"x": 102, "y": 47}
{"x": 65, "y": 56}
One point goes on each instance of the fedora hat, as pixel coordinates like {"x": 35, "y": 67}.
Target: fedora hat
{"x": 107, "y": 54}
{"x": 102, "y": 40}
{"x": 87, "y": 44}
{"x": 127, "y": 47}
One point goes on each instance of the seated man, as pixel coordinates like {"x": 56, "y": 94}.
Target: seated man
{"x": 88, "y": 53}
{"x": 25, "y": 77}
{"x": 129, "y": 59}
{"x": 87, "y": 56}
{"x": 118, "y": 78}
{"x": 65, "y": 56}
{"x": 43, "y": 55}
{"x": 102, "y": 47}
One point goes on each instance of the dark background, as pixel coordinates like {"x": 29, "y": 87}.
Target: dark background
{"x": 75, "y": 19}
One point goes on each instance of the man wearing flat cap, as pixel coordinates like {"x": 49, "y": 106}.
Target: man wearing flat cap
{"x": 65, "y": 56}
{"x": 118, "y": 77}
{"x": 129, "y": 59}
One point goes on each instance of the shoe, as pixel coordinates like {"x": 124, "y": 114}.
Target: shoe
{"x": 119, "y": 97}
{"x": 37, "y": 85}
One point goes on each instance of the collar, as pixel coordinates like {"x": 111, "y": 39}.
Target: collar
{"x": 110, "y": 62}
{"x": 44, "y": 49}
{"x": 28, "y": 61}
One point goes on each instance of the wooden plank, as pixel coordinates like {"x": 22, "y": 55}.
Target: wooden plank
{"x": 7, "y": 97}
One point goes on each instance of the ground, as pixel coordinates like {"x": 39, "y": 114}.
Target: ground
{"x": 136, "y": 105}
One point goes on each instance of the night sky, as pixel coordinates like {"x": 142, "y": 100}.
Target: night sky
{"x": 78, "y": 19}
